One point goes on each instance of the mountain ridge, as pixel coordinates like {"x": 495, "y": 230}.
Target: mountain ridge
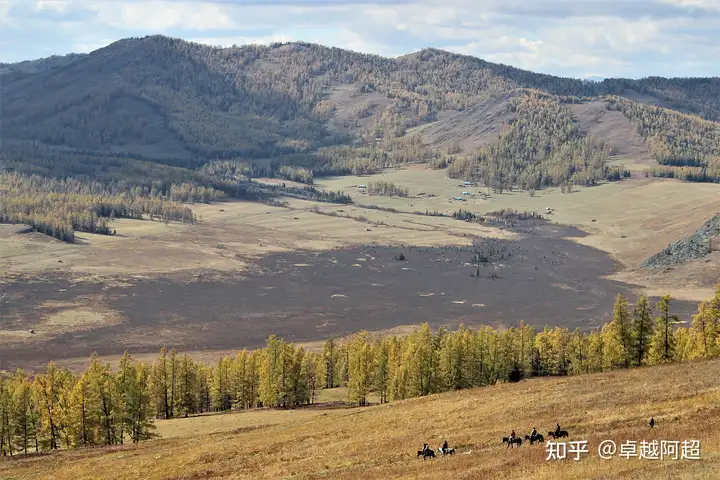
{"x": 332, "y": 111}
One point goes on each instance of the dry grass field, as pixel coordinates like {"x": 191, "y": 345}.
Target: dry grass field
{"x": 630, "y": 220}
{"x": 310, "y": 270}
{"x": 381, "y": 441}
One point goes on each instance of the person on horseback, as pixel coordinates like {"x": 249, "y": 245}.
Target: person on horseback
{"x": 425, "y": 448}
{"x": 533, "y": 434}
{"x": 445, "y": 447}
{"x": 557, "y": 430}
{"x": 512, "y": 436}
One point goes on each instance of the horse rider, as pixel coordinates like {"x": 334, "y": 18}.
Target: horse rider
{"x": 533, "y": 434}
{"x": 445, "y": 447}
{"x": 652, "y": 422}
{"x": 557, "y": 430}
{"x": 425, "y": 448}
{"x": 512, "y": 435}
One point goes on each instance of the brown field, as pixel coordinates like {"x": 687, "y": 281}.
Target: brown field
{"x": 381, "y": 441}
{"x": 309, "y": 271}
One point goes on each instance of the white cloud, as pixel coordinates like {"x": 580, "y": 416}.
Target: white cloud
{"x": 4, "y": 11}
{"x": 701, "y": 4}
{"x": 161, "y": 16}
{"x": 572, "y": 37}
{"x": 56, "y": 5}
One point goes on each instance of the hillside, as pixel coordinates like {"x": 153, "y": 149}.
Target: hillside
{"x": 700, "y": 244}
{"x": 179, "y": 103}
{"x": 381, "y": 441}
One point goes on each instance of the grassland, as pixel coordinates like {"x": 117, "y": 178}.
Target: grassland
{"x": 187, "y": 285}
{"x": 625, "y": 219}
{"x": 381, "y": 441}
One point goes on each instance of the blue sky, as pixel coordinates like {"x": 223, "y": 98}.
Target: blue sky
{"x": 578, "y": 38}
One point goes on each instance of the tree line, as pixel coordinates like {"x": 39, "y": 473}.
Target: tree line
{"x": 59, "y": 208}
{"x": 387, "y": 188}
{"x": 61, "y": 409}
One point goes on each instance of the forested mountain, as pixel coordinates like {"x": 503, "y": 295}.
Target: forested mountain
{"x": 181, "y": 103}
{"x": 156, "y": 112}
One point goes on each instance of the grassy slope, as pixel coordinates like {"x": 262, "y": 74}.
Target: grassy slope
{"x": 380, "y": 441}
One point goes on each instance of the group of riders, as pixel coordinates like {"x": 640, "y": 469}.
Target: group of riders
{"x": 534, "y": 434}
{"x": 444, "y": 449}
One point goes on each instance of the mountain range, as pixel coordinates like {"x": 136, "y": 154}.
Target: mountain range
{"x": 146, "y": 105}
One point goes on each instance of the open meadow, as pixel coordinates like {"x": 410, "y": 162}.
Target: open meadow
{"x": 311, "y": 270}
{"x": 327, "y": 441}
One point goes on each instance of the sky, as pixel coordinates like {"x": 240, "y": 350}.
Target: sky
{"x": 575, "y": 38}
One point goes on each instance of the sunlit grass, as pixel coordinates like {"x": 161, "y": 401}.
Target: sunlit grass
{"x": 381, "y": 441}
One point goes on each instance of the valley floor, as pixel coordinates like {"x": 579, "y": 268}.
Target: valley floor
{"x": 309, "y": 270}
{"x": 381, "y": 441}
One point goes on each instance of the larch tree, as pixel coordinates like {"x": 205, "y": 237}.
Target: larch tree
{"x": 382, "y": 368}
{"x": 159, "y": 382}
{"x": 662, "y": 345}
{"x": 271, "y": 372}
{"x": 642, "y": 330}
{"x": 309, "y": 371}
{"x": 704, "y": 331}
{"x": 361, "y": 368}
{"x": 617, "y": 336}
{"x": 186, "y": 387}
{"x": 330, "y": 360}
{"x": 23, "y": 414}
{"x": 83, "y": 418}
{"x": 139, "y": 407}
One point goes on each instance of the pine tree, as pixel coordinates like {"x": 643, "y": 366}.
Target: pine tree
{"x": 361, "y": 367}
{"x": 23, "y": 415}
{"x": 271, "y": 372}
{"x": 159, "y": 382}
{"x": 297, "y": 388}
{"x": 6, "y": 414}
{"x": 578, "y": 354}
{"x": 139, "y": 408}
{"x": 186, "y": 387}
{"x": 173, "y": 381}
{"x": 547, "y": 356}
{"x": 330, "y": 360}
{"x": 52, "y": 392}
{"x": 596, "y": 352}
{"x": 421, "y": 360}
{"x": 222, "y": 389}
{"x": 662, "y": 345}
{"x": 382, "y": 368}
{"x": 82, "y": 417}
{"x": 617, "y": 338}
{"x": 642, "y": 330}
{"x": 309, "y": 372}
{"x": 704, "y": 332}
{"x": 103, "y": 391}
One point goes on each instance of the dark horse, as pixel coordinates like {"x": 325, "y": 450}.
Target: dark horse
{"x": 560, "y": 434}
{"x": 535, "y": 438}
{"x": 511, "y": 441}
{"x": 426, "y": 453}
